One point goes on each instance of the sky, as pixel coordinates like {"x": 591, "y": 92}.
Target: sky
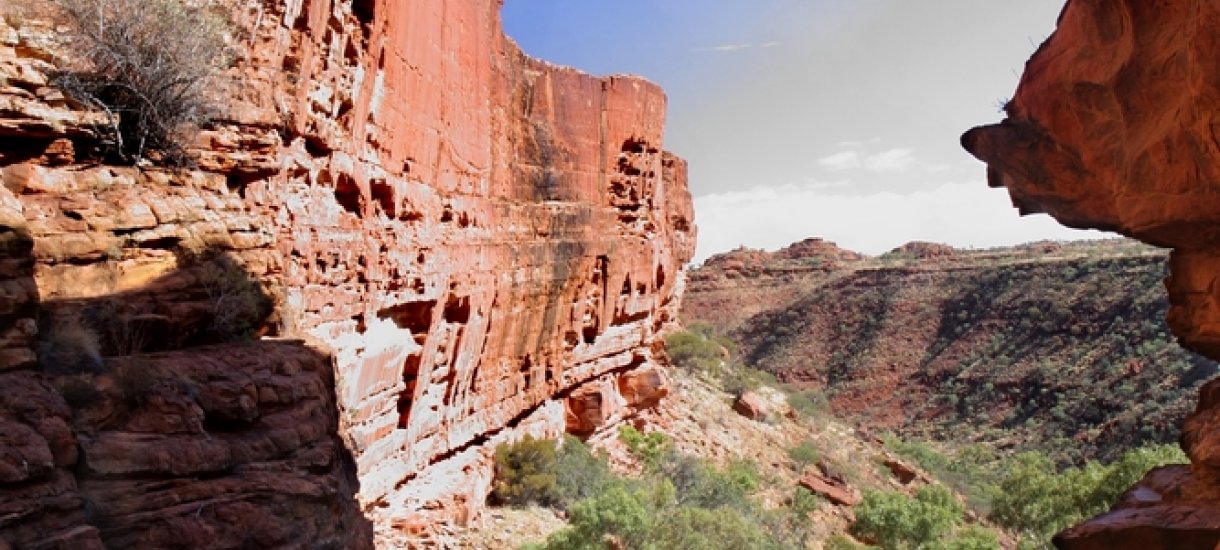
{"x": 837, "y": 119}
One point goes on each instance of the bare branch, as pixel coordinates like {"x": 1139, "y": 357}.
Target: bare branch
{"x": 149, "y": 65}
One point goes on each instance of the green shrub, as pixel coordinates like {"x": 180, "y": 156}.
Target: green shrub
{"x": 1037, "y": 501}
{"x": 896, "y": 521}
{"x": 624, "y": 514}
{"x": 688, "y": 527}
{"x": 969, "y": 538}
{"x": 1128, "y": 470}
{"x": 579, "y": 473}
{"x": 651, "y": 517}
{"x": 696, "y": 351}
{"x": 842, "y": 542}
{"x": 804, "y": 502}
{"x": 803, "y": 454}
{"x": 808, "y": 403}
{"x": 526, "y": 472}
{"x": 649, "y": 448}
{"x": 973, "y": 470}
{"x": 149, "y": 65}
{"x": 699, "y": 483}
{"x": 737, "y": 379}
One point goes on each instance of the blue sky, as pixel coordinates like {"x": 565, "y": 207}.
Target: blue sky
{"x": 831, "y": 118}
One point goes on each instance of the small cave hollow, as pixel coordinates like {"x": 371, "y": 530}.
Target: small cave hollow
{"x": 527, "y": 367}
{"x": 413, "y": 316}
{"x": 636, "y": 146}
{"x": 410, "y": 377}
{"x": 365, "y": 12}
{"x": 347, "y": 193}
{"x": 384, "y": 194}
{"x": 457, "y": 310}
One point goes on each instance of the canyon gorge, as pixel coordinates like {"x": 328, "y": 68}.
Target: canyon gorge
{"x": 403, "y": 242}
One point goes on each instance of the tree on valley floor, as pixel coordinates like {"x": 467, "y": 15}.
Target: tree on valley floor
{"x": 1037, "y": 501}
{"x": 896, "y": 521}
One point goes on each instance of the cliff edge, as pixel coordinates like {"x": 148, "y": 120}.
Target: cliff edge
{"x": 458, "y": 245}
{"x": 1114, "y": 127}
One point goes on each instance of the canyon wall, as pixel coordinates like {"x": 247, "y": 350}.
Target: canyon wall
{"x": 1114, "y": 126}
{"x": 456, "y": 245}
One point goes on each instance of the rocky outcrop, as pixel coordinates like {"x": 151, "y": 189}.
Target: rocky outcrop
{"x": 1113, "y": 127}
{"x": 469, "y": 241}
{"x": 751, "y": 405}
{"x": 829, "y": 485}
{"x": 748, "y": 281}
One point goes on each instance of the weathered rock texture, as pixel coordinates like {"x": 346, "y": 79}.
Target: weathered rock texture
{"x": 474, "y": 244}
{"x": 1114, "y": 126}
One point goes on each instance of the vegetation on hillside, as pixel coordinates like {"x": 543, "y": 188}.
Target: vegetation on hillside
{"x": 701, "y": 350}
{"x": 1027, "y": 493}
{"x": 1032, "y": 494}
{"x": 1070, "y": 356}
{"x": 930, "y": 519}
{"x": 679, "y": 502}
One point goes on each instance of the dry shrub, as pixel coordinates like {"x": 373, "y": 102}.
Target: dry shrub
{"x": 69, "y": 346}
{"x": 136, "y": 382}
{"x": 239, "y": 303}
{"x": 79, "y": 392}
{"x": 118, "y": 330}
{"x": 149, "y": 64}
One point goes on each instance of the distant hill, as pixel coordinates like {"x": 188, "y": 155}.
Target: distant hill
{"x": 1055, "y": 346}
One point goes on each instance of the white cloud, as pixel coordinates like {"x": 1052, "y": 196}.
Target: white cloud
{"x": 735, "y": 47}
{"x": 893, "y": 160}
{"x": 961, "y": 214}
{"x": 845, "y": 160}
{"x": 896, "y": 160}
{"x": 856, "y": 144}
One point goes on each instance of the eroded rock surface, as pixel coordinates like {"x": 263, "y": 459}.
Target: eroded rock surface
{"x": 471, "y": 242}
{"x": 1113, "y": 127}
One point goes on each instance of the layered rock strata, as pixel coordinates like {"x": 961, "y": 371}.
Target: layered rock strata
{"x": 474, "y": 245}
{"x": 1114, "y": 127}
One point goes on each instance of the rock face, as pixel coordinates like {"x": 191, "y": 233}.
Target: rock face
{"x": 1114, "y": 127}
{"x": 472, "y": 244}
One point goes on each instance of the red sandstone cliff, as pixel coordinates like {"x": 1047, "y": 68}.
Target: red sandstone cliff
{"x": 472, "y": 242}
{"x": 1114, "y": 127}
